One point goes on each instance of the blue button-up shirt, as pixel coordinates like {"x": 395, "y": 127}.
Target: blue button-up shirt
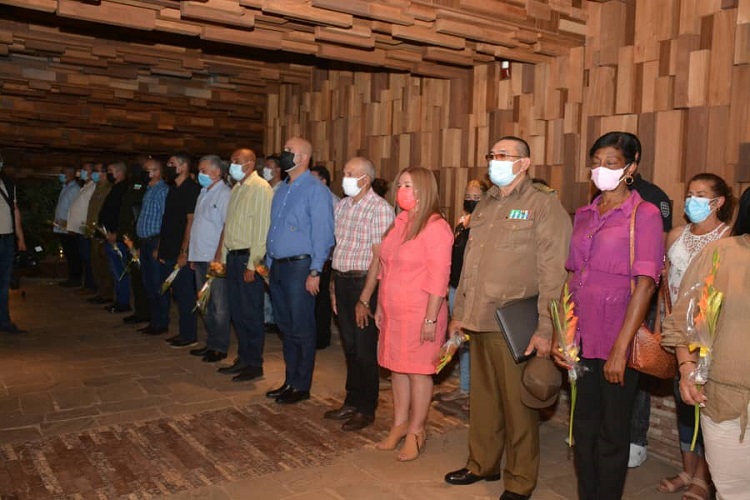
{"x": 301, "y": 221}
{"x": 67, "y": 195}
{"x": 152, "y": 210}
{"x": 208, "y": 221}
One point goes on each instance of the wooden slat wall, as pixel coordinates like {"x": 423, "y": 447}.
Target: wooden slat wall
{"x": 680, "y": 81}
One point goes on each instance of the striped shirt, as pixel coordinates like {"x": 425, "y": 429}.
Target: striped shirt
{"x": 152, "y": 210}
{"x": 248, "y": 218}
{"x": 208, "y": 221}
{"x": 359, "y": 226}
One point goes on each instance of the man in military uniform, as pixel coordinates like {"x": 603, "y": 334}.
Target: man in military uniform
{"x": 519, "y": 240}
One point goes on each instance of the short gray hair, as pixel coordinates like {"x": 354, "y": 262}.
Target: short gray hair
{"x": 213, "y": 160}
{"x": 367, "y": 166}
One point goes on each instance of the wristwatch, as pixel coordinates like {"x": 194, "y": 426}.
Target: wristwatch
{"x": 314, "y": 273}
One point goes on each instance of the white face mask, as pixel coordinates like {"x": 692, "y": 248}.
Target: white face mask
{"x": 267, "y": 173}
{"x": 235, "y": 170}
{"x": 606, "y": 179}
{"x": 350, "y": 185}
{"x": 501, "y": 172}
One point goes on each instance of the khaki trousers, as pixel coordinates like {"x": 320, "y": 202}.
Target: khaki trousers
{"x": 99, "y": 266}
{"x": 498, "y": 421}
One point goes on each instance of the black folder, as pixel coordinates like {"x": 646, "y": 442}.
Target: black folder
{"x": 518, "y": 321}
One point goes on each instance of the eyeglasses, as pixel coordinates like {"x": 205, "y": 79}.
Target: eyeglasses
{"x": 500, "y": 156}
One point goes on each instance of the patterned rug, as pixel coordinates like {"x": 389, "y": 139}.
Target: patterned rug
{"x": 168, "y": 455}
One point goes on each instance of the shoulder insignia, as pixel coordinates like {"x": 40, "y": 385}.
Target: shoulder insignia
{"x": 543, "y": 188}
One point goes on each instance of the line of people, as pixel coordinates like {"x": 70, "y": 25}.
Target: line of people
{"x": 390, "y": 273}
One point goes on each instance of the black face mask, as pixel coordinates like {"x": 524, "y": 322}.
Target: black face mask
{"x": 287, "y": 161}
{"x": 111, "y": 178}
{"x": 171, "y": 174}
{"x": 145, "y": 177}
{"x": 470, "y": 205}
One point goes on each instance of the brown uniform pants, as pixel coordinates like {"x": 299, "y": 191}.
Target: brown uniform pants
{"x": 498, "y": 421}
{"x": 100, "y": 267}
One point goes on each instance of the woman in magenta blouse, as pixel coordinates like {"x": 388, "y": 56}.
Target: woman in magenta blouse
{"x": 415, "y": 261}
{"x": 600, "y": 277}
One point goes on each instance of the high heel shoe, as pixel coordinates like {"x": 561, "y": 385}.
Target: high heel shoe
{"x": 413, "y": 446}
{"x": 395, "y": 435}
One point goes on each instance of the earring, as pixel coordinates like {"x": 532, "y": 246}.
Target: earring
{"x": 628, "y": 180}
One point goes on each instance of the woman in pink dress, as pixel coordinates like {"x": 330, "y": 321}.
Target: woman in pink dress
{"x": 415, "y": 261}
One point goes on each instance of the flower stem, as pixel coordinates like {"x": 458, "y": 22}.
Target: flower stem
{"x": 573, "y": 397}
{"x": 696, "y": 427}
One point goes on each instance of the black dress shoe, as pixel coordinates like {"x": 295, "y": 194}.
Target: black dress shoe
{"x": 118, "y": 308}
{"x": 462, "y": 477}
{"x": 343, "y": 413}
{"x": 171, "y": 339}
{"x": 70, "y": 283}
{"x": 212, "y": 356}
{"x": 293, "y": 396}
{"x": 98, "y": 299}
{"x": 509, "y": 495}
{"x": 236, "y": 367}
{"x": 199, "y": 352}
{"x": 275, "y": 393}
{"x": 12, "y": 328}
{"x": 154, "y": 330}
{"x": 134, "y": 319}
{"x": 248, "y": 373}
{"x": 179, "y": 343}
{"x": 358, "y": 421}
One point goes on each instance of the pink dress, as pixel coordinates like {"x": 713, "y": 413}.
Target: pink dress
{"x": 410, "y": 272}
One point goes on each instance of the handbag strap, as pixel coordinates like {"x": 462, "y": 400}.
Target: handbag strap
{"x": 632, "y": 245}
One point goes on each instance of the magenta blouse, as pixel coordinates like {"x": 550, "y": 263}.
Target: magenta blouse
{"x": 599, "y": 259}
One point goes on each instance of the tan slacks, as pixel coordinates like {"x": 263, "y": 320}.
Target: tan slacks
{"x": 498, "y": 421}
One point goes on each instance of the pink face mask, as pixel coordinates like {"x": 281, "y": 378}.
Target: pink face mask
{"x": 405, "y": 198}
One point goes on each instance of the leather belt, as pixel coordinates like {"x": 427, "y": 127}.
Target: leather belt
{"x": 7, "y": 235}
{"x": 350, "y": 274}
{"x": 291, "y": 259}
{"x": 239, "y": 251}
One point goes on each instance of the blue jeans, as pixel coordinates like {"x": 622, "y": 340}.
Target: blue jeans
{"x": 294, "y": 311}
{"x": 464, "y": 365}
{"x": 7, "y": 252}
{"x": 246, "y": 311}
{"x": 84, "y": 249}
{"x": 217, "y": 317}
{"x": 183, "y": 291}
{"x": 267, "y": 308}
{"x": 116, "y": 267}
{"x": 151, "y": 278}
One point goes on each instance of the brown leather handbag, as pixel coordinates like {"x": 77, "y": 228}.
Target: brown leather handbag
{"x": 646, "y": 353}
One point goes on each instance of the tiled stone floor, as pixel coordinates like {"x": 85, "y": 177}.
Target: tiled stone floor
{"x": 89, "y": 408}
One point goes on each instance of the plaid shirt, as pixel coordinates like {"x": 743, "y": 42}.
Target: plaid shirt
{"x": 359, "y": 226}
{"x": 152, "y": 210}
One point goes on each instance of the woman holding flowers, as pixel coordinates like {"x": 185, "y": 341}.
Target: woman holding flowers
{"x": 721, "y": 269}
{"x": 415, "y": 261}
{"x": 708, "y": 207}
{"x": 611, "y": 297}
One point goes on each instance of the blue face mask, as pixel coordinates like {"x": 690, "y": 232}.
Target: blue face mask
{"x": 84, "y": 175}
{"x": 95, "y": 176}
{"x": 204, "y": 180}
{"x": 235, "y": 170}
{"x": 698, "y": 209}
{"x": 61, "y": 178}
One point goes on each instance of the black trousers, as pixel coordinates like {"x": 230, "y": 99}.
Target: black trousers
{"x": 601, "y": 430}
{"x": 69, "y": 243}
{"x": 323, "y": 309}
{"x": 360, "y": 345}
{"x": 140, "y": 299}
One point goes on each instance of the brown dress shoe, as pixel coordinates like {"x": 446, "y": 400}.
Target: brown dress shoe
{"x": 358, "y": 421}
{"x": 343, "y": 413}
